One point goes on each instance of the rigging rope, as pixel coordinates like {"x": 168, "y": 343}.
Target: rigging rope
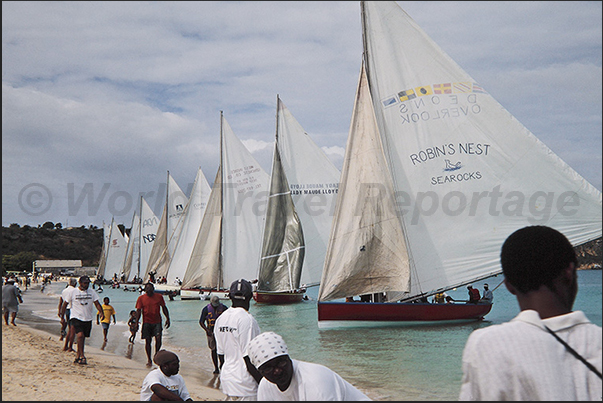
{"x": 494, "y": 289}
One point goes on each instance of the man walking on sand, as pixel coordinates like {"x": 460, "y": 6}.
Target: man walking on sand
{"x": 82, "y": 300}
{"x": 234, "y": 329}
{"x": 11, "y": 297}
{"x": 66, "y": 329}
{"x": 149, "y": 304}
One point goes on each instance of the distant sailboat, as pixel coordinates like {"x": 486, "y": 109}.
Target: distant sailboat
{"x": 227, "y": 247}
{"x": 130, "y": 265}
{"x": 149, "y": 226}
{"x": 114, "y": 254}
{"x": 189, "y": 224}
{"x": 102, "y": 262}
{"x": 416, "y": 225}
{"x": 168, "y": 230}
{"x": 142, "y": 234}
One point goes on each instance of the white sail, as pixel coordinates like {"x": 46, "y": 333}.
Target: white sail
{"x": 189, "y": 228}
{"x": 244, "y": 199}
{"x": 100, "y": 272}
{"x": 130, "y": 266}
{"x": 466, "y": 172}
{"x": 228, "y": 244}
{"x": 366, "y": 253}
{"x": 169, "y": 229}
{"x": 116, "y": 252}
{"x": 149, "y": 225}
{"x": 204, "y": 267}
{"x": 158, "y": 256}
{"x": 314, "y": 181}
{"x": 106, "y": 234}
{"x": 177, "y": 201}
{"x": 283, "y": 246}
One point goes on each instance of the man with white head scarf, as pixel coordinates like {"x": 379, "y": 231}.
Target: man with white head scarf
{"x": 288, "y": 379}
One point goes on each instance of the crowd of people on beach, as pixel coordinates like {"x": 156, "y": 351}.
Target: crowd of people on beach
{"x": 547, "y": 352}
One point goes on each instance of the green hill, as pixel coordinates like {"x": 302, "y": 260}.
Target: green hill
{"x": 22, "y": 245}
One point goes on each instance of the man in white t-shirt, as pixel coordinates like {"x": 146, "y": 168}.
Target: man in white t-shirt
{"x": 548, "y": 351}
{"x": 164, "y": 383}
{"x": 233, "y": 330}
{"x": 82, "y": 300}
{"x": 66, "y": 329}
{"x": 288, "y": 379}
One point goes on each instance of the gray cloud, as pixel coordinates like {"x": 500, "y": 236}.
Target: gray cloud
{"x": 122, "y": 92}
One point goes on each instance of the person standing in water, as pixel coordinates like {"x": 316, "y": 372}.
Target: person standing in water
{"x": 109, "y": 312}
{"x": 209, "y": 314}
{"x": 149, "y": 305}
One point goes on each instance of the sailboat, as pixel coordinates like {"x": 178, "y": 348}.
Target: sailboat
{"x": 303, "y": 189}
{"x": 283, "y": 246}
{"x": 167, "y": 234}
{"x": 142, "y": 234}
{"x": 228, "y": 244}
{"x": 189, "y": 225}
{"x": 131, "y": 259}
{"x": 115, "y": 252}
{"x": 436, "y": 176}
{"x": 102, "y": 261}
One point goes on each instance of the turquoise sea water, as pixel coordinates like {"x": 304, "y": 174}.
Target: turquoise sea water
{"x": 388, "y": 363}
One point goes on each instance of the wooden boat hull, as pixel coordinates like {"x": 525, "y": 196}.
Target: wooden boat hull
{"x": 397, "y": 312}
{"x": 191, "y": 294}
{"x": 284, "y": 297}
{"x": 202, "y": 294}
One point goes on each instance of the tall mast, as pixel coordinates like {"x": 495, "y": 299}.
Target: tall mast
{"x": 364, "y": 43}
{"x": 221, "y": 264}
{"x": 139, "y": 239}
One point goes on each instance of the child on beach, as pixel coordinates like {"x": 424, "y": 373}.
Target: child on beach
{"x": 109, "y": 312}
{"x": 133, "y": 323}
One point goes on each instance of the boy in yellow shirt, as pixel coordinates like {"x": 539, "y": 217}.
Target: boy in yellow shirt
{"x": 109, "y": 311}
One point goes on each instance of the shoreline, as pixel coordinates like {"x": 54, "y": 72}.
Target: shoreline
{"x": 34, "y": 366}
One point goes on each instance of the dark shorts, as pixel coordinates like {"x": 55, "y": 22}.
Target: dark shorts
{"x": 67, "y": 314}
{"x": 80, "y": 326}
{"x": 105, "y": 325}
{"x": 151, "y": 330}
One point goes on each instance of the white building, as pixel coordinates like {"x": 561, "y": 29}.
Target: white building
{"x": 57, "y": 266}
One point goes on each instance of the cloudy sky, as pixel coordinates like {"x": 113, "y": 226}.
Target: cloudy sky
{"x": 101, "y": 99}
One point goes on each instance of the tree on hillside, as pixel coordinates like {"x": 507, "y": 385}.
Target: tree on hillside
{"x": 22, "y": 261}
{"x": 48, "y": 225}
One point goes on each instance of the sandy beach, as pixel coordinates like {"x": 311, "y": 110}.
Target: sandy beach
{"x": 34, "y": 367}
